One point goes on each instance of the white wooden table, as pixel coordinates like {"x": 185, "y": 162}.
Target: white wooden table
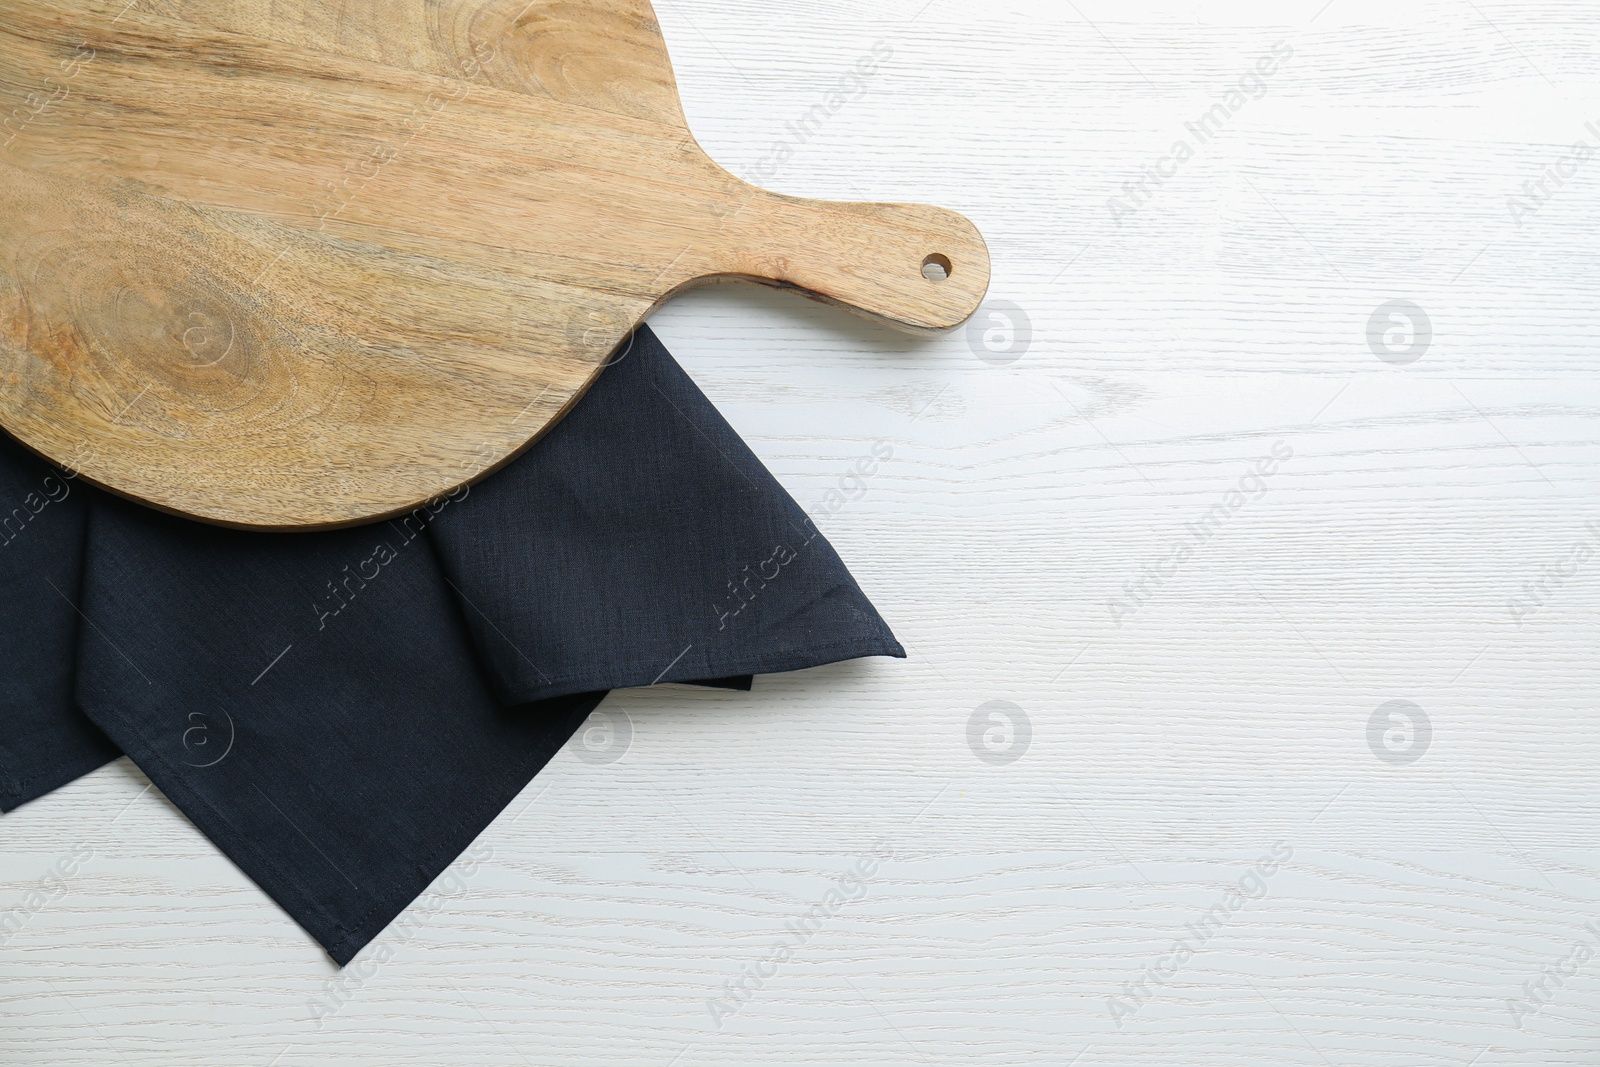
{"x": 1198, "y": 830}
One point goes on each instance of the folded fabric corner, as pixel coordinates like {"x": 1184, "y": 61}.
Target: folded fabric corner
{"x": 678, "y": 555}
{"x": 45, "y": 742}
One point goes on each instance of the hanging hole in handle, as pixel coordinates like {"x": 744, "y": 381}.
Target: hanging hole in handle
{"x": 937, "y": 268}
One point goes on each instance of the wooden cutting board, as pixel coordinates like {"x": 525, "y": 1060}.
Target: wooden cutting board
{"x": 303, "y": 264}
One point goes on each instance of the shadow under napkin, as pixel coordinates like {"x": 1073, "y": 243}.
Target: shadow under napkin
{"x": 342, "y": 713}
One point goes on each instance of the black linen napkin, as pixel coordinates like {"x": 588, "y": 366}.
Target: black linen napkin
{"x": 343, "y": 712}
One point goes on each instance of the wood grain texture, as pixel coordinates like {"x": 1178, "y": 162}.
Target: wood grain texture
{"x": 1228, "y": 713}
{"x": 298, "y": 265}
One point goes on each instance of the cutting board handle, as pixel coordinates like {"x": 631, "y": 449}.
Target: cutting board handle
{"x": 918, "y": 268}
